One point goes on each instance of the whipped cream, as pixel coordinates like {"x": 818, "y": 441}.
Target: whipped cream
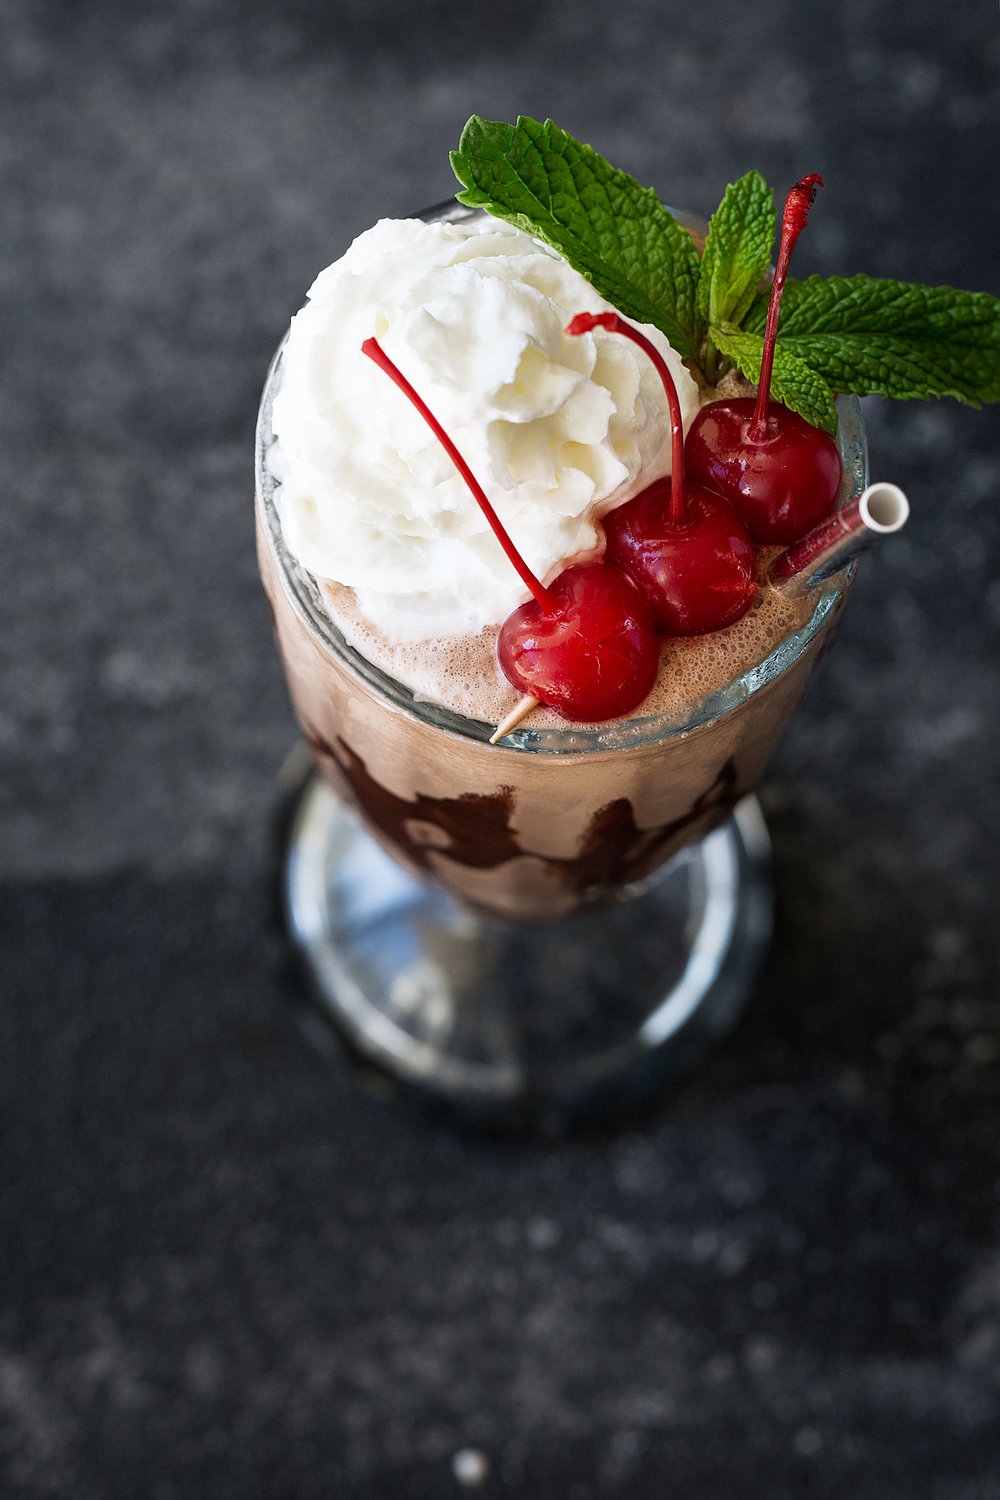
{"x": 558, "y": 430}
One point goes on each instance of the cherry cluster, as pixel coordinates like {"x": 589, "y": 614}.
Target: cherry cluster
{"x": 680, "y": 556}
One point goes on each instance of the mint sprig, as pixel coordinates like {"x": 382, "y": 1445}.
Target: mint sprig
{"x": 737, "y": 250}
{"x": 892, "y": 338}
{"x": 611, "y": 229}
{"x": 858, "y": 334}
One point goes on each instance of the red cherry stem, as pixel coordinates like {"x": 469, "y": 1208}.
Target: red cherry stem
{"x": 583, "y": 323}
{"x": 797, "y": 206}
{"x": 374, "y": 351}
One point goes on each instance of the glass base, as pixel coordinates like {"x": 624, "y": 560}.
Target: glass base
{"x": 529, "y": 1028}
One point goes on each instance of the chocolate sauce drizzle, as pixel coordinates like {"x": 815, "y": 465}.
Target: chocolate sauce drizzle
{"x": 475, "y": 829}
{"x": 616, "y": 852}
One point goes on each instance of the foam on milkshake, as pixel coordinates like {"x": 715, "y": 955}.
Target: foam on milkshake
{"x": 462, "y": 673}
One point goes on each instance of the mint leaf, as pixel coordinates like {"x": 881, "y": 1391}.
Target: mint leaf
{"x": 892, "y": 338}
{"x": 612, "y": 230}
{"x": 737, "y": 250}
{"x": 857, "y": 334}
{"x": 793, "y": 383}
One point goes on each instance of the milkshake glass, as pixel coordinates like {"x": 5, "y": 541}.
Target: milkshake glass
{"x": 564, "y": 918}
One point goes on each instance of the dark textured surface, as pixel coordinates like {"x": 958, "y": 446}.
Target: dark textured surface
{"x": 227, "y": 1272}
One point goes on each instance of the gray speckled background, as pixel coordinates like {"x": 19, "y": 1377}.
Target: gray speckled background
{"x": 226, "y": 1272}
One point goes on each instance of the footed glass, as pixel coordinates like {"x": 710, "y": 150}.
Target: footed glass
{"x": 539, "y": 934}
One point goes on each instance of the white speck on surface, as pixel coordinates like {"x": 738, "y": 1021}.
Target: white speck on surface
{"x": 470, "y": 1467}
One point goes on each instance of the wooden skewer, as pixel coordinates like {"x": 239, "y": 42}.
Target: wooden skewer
{"x": 518, "y": 712}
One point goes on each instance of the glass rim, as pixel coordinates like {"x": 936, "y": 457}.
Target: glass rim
{"x": 618, "y": 734}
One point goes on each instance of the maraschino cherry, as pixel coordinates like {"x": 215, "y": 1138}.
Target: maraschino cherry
{"x": 781, "y": 474}
{"x": 589, "y": 651}
{"x": 684, "y": 546}
{"x": 585, "y": 645}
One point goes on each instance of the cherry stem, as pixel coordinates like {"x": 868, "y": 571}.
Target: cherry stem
{"x": 583, "y": 323}
{"x": 797, "y": 206}
{"x": 374, "y": 351}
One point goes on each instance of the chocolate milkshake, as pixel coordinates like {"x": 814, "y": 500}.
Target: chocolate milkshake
{"x": 464, "y": 514}
{"x": 558, "y": 815}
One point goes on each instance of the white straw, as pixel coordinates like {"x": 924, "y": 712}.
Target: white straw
{"x": 884, "y": 508}
{"x": 879, "y": 511}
